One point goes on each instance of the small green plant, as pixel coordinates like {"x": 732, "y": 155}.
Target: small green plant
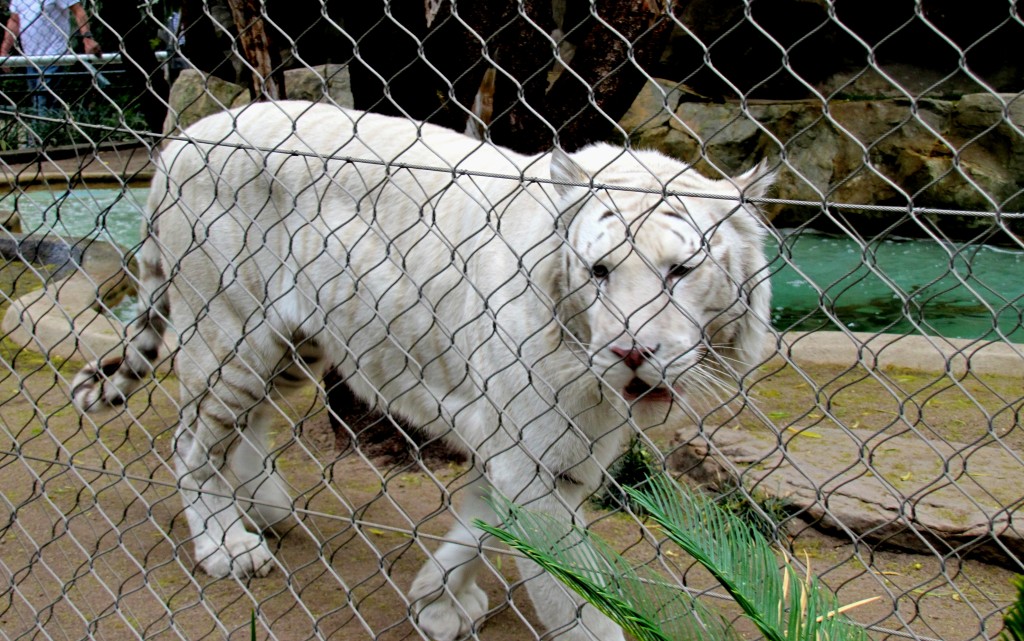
{"x": 1013, "y": 620}
{"x": 763, "y": 513}
{"x": 89, "y": 118}
{"x": 634, "y": 468}
{"x": 782, "y": 603}
{"x": 88, "y": 124}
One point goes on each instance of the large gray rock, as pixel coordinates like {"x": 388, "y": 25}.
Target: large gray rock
{"x": 790, "y": 49}
{"x": 195, "y": 95}
{"x": 67, "y": 318}
{"x": 326, "y": 83}
{"x": 966, "y": 154}
{"x": 905, "y": 491}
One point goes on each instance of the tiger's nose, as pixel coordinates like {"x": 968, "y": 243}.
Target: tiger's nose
{"x": 635, "y": 357}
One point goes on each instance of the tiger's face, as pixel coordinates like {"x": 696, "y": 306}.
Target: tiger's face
{"x": 671, "y": 292}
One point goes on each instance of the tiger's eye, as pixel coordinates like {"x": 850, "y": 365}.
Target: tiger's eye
{"x": 678, "y": 271}
{"x": 599, "y": 271}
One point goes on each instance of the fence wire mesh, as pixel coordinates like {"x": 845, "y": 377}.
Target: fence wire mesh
{"x": 371, "y": 321}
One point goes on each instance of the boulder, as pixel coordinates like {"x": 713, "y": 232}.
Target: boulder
{"x": 326, "y": 83}
{"x": 794, "y": 49}
{"x": 195, "y": 95}
{"x": 901, "y": 490}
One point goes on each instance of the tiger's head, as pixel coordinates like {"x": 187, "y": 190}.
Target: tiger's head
{"x": 665, "y": 282}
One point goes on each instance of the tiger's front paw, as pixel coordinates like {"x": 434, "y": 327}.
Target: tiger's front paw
{"x": 242, "y": 555}
{"x": 442, "y": 619}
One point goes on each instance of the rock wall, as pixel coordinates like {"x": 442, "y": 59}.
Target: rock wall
{"x": 790, "y": 49}
{"x": 961, "y": 154}
{"x": 964, "y": 153}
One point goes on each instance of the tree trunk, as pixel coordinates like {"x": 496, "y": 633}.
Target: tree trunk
{"x": 524, "y": 56}
{"x": 390, "y": 76}
{"x": 584, "y": 103}
{"x": 267, "y": 75}
{"x": 209, "y": 31}
{"x": 614, "y": 71}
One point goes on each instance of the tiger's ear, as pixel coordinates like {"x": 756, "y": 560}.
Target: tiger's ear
{"x": 755, "y": 182}
{"x": 565, "y": 170}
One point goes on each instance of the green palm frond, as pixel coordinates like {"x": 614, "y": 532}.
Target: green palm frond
{"x": 640, "y": 601}
{"x": 1013, "y": 620}
{"x": 783, "y": 605}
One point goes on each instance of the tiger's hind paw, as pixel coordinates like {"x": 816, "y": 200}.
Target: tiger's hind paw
{"x": 91, "y": 388}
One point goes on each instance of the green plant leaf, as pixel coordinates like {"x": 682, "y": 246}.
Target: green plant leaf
{"x": 782, "y": 604}
{"x": 640, "y": 601}
{"x": 1013, "y": 620}
{"x": 742, "y": 560}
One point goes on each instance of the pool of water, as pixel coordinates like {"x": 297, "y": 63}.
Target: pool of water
{"x": 820, "y": 282}
{"x": 108, "y": 214}
{"x": 897, "y": 285}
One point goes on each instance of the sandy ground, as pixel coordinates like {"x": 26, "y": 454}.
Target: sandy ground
{"x": 93, "y": 541}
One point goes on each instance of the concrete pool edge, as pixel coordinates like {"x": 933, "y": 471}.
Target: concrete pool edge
{"x": 117, "y": 163}
{"x": 62, "y": 321}
{"x": 933, "y": 354}
{"x": 88, "y": 178}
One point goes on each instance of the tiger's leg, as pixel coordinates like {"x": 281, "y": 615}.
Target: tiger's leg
{"x": 254, "y": 474}
{"x": 562, "y": 613}
{"x": 446, "y": 599}
{"x": 251, "y": 460}
{"x": 219, "y": 400}
{"x": 445, "y": 594}
{"x": 261, "y": 491}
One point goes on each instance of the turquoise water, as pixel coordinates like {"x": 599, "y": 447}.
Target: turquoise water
{"x": 108, "y": 214}
{"x": 820, "y": 282}
{"x": 898, "y": 286}
{"x": 112, "y": 215}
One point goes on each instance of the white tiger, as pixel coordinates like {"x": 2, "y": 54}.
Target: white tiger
{"x": 530, "y": 310}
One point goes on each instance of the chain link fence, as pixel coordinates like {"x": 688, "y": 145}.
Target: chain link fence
{"x": 491, "y": 296}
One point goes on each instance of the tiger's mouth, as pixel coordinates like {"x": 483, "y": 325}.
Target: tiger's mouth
{"x": 638, "y": 389}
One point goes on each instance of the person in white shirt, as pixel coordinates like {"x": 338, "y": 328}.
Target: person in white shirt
{"x": 43, "y": 28}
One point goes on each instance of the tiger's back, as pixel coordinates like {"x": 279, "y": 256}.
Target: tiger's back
{"x": 349, "y": 245}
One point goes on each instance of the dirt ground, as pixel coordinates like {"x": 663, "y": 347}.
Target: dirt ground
{"x": 93, "y": 540}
